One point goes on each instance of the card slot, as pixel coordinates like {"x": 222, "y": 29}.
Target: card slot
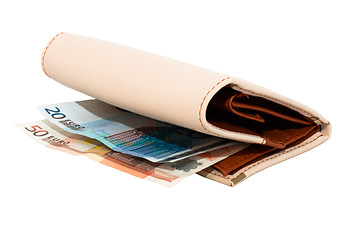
{"x": 248, "y": 115}
{"x": 235, "y": 111}
{"x": 243, "y": 107}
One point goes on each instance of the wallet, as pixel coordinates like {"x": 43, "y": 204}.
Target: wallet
{"x": 189, "y": 96}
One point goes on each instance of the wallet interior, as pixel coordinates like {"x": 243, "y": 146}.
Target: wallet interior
{"x": 280, "y": 126}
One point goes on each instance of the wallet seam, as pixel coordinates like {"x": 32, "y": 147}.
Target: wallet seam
{"x": 206, "y": 97}
{"x": 256, "y": 94}
{"x": 264, "y": 160}
{"x": 225, "y": 130}
{"x": 43, "y": 56}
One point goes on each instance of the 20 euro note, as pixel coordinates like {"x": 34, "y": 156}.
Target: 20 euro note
{"x": 167, "y": 174}
{"x": 130, "y": 133}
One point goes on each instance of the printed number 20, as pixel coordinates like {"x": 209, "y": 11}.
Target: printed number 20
{"x": 56, "y": 114}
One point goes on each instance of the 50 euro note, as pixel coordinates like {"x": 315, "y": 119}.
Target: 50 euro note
{"x": 130, "y": 133}
{"x": 167, "y": 174}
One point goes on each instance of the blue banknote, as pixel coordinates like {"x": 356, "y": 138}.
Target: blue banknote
{"x": 131, "y": 133}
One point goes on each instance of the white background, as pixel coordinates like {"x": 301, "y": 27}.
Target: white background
{"x": 307, "y": 50}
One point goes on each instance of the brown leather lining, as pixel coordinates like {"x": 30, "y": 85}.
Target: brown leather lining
{"x": 252, "y": 154}
{"x": 279, "y": 125}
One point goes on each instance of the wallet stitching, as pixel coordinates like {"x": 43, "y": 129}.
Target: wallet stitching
{"x": 262, "y": 161}
{"x": 224, "y": 130}
{"x": 206, "y": 97}
{"x": 257, "y": 94}
{"x": 282, "y": 102}
{"x": 43, "y": 56}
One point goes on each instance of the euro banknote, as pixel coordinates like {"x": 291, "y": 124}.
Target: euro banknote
{"x": 167, "y": 174}
{"x": 130, "y": 133}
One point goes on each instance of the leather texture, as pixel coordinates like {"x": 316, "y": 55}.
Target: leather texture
{"x": 206, "y": 101}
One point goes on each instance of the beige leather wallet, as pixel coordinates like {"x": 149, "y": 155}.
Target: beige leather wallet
{"x": 192, "y": 97}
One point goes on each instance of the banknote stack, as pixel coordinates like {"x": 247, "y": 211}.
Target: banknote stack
{"x": 140, "y": 146}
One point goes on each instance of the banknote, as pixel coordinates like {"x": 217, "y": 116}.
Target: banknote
{"x": 167, "y": 174}
{"x": 130, "y": 133}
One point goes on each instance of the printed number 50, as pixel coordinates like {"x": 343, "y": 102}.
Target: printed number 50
{"x": 37, "y": 130}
